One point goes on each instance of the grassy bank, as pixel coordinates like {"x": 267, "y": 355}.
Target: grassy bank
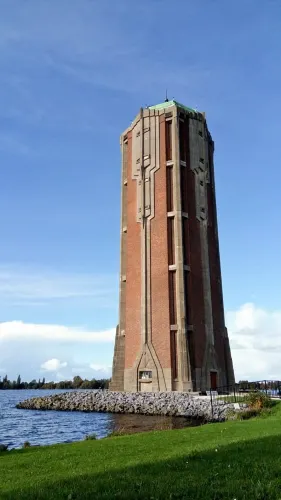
{"x": 232, "y": 460}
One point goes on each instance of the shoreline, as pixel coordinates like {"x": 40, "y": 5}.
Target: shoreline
{"x": 236, "y": 459}
{"x": 175, "y": 404}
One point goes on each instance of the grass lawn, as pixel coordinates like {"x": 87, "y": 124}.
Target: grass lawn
{"x": 233, "y": 460}
{"x": 232, "y": 399}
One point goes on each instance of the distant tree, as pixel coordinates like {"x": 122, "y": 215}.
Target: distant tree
{"x": 243, "y": 384}
{"x": 6, "y": 383}
{"x": 49, "y": 385}
{"x": 60, "y": 385}
{"x": 33, "y": 384}
{"x": 102, "y": 384}
{"x": 86, "y": 384}
{"x": 18, "y": 382}
{"x": 77, "y": 381}
{"x": 64, "y": 384}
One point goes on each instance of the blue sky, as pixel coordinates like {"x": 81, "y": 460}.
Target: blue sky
{"x": 73, "y": 74}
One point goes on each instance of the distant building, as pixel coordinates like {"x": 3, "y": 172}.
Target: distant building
{"x": 171, "y": 334}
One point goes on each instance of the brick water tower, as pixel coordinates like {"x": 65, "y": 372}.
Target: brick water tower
{"x": 171, "y": 334}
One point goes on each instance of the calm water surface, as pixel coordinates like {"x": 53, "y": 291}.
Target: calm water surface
{"x": 49, "y": 427}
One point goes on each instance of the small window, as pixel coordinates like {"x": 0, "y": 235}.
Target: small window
{"x": 145, "y": 375}
{"x": 171, "y": 241}
{"x": 201, "y": 183}
{"x": 168, "y": 140}
{"x": 202, "y": 160}
{"x": 203, "y": 210}
{"x": 200, "y": 133}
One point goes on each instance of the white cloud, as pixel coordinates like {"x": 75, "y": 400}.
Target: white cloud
{"x": 100, "y": 368}
{"x": 18, "y": 330}
{"x": 53, "y": 365}
{"x": 254, "y": 332}
{"x": 255, "y": 339}
{"x": 79, "y": 369}
{"x": 28, "y": 283}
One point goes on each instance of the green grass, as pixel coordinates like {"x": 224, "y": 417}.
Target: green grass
{"x": 234, "y": 460}
{"x": 232, "y": 399}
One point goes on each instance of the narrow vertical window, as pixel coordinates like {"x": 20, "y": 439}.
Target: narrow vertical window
{"x": 168, "y": 140}
{"x": 172, "y": 297}
{"x": 191, "y": 350}
{"x": 174, "y": 354}
{"x": 184, "y": 204}
{"x": 186, "y": 299}
{"x": 182, "y": 141}
{"x": 171, "y": 241}
{"x": 170, "y": 187}
{"x": 185, "y": 240}
{"x": 125, "y": 157}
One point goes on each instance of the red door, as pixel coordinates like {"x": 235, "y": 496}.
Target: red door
{"x": 213, "y": 377}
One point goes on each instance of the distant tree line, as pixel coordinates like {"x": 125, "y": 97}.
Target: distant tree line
{"x": 76, "y": 383}
{"x": 245, "y": 385}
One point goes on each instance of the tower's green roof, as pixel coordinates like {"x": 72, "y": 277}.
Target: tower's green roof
{"x": 168, "y": 104}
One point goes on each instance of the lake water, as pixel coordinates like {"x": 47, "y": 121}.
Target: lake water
{"x": 49, "y": 427}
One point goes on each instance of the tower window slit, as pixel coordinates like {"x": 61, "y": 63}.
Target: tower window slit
{"x": 172, "y": 297}
{"x": 170, "y": 196}
{"x": 182, "y": 141}
{"x": 168, "y": 140}
{"x": 174, "y": 354}
{"x": 185, "y": 241}
{"x": 184, "y": 204}
{"x": 171, "y": 241}
{"x": 188, "y": 318}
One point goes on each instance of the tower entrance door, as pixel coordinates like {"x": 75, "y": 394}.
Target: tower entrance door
{"x": 213, "y": 380}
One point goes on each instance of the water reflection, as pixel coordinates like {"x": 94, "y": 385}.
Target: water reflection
{"x": 131, "y": 423}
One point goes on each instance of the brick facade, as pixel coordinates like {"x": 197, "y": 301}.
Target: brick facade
{"x": 171, "y": 333}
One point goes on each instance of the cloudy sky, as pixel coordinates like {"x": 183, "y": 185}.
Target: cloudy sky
{"x": 73, "y": 74}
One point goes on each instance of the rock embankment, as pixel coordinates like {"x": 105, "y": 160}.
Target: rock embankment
{"x": 160, "y": 403}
